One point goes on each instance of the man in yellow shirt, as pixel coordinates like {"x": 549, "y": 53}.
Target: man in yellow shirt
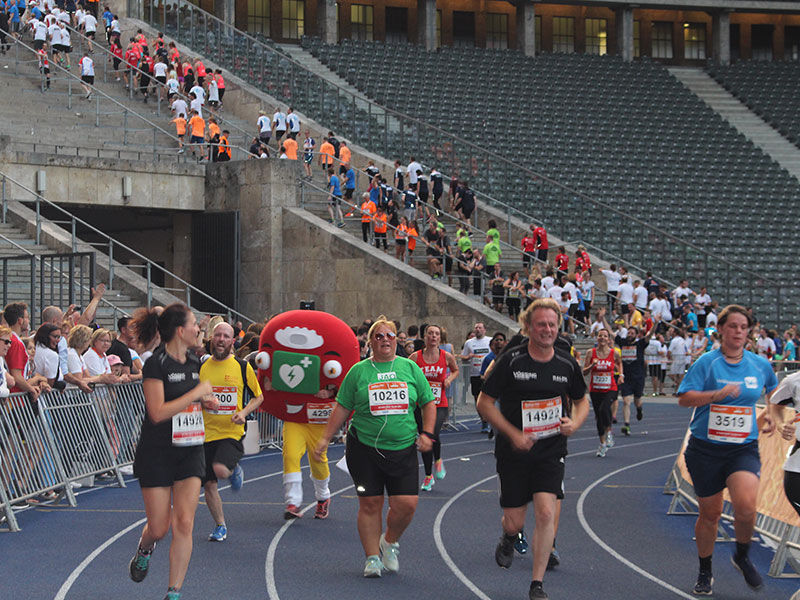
{"x": 225, "y": 425}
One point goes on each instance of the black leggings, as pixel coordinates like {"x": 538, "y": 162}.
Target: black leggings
{"x": 601, "y": 402}
{"x": 436, "y": 453}
{"x": 365, "y": 229}
{"x": 513, "y": 307}
{"x": 791, "y": 485}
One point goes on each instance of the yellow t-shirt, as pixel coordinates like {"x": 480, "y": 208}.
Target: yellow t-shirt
{"x": 225, "y": 377}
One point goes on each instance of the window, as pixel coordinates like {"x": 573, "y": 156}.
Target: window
{"x": 258, "y": 14}
{"x": 463, "y": 29}
{"x": 564, "y": 34}
{"x": 293, "y": 19}
{"x": 361, "y": 23}
{"x": 791, "y": 42}
{"x": 596, "y": 36}
{"x": 662, "y": 40}
{"x": 396, "y": 25}
{"x": 636, "y": 42}
{"x": 497, "y": 30}
{"x": 694, "y": 41}
{"x": 439, "y": 28}
{"x": 537, "y": 27}
{"x": 761, "y": 40}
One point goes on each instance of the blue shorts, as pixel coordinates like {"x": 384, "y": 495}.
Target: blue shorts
{"x": 197, "y": 139}
{"x": 711, "y": 464}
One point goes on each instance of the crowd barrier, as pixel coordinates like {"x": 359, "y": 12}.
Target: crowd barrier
{"x": 776, "y": 520}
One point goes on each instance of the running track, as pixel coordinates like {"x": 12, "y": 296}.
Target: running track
{"x": 616, "y": 540}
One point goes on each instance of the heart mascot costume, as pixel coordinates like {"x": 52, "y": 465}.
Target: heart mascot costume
{"x": 303, "y": 356}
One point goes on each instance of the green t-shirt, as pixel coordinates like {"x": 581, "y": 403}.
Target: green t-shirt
{"x": 493, "y": 233}
{"x": 384, "y": 396}
{"x": 464, "y": 243}
{"x": 492, "y": 253}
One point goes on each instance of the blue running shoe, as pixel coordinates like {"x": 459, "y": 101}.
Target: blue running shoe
{"x": 521, "y": 545}
{"x": 219, "y": 534}
{"x": 439, "y": 472}
{"x": 237, "y": 478}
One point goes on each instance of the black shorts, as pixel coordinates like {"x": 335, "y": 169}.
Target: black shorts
{"x": 334, "y": 201}
{"x": 88, "y": 79}
{"x": 227, "y": 451}
{"x": 476, "y": 383}
{"x": 791, "y": 486}
{"x": 527, "y": 259}
{"x": 520, "y": 480}
{"x": 654, "y": 370}
{"x": 38, "y": 44}
{"x": 711, "y": 464}
{"x": 374, "y": 470}
{"x": 116, "y": 63}
{"x": 348, "y": 193}
{"x": 467, "y": 211}
{"x": 161, "y": 79}
{"x": 161, "y": 466}
{"x": 541, "y": 254}
{"x": 197, "y": 139}
{"x": 221, "y": 93}
{"x": 90, "y": 35}
{"x": 448, "y": 264}
{"x": 623, "y": 308}
{"x": 632, "y": 386}
{"x": 264, "y": 137}
{"x": 279, "y": 133}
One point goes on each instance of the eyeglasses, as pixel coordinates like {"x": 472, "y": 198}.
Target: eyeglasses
{"x": 388, "y": 335}
{"x": 6, "y": 342}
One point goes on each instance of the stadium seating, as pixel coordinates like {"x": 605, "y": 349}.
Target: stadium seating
{"x": 769, "y": 89}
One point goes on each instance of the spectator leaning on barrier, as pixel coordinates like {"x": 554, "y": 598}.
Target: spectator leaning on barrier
{"x": 18, "y": 319}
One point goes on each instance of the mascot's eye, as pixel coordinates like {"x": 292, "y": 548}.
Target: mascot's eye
{"x": 332, "y": 369}
{"x": 262, "y": 361}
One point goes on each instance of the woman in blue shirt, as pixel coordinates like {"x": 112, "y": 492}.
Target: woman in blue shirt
{"x": 723, "y": 387}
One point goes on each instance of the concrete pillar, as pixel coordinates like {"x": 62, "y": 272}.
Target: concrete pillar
{"x": 326, "y": 21}
{"x": 721, "y": 37}
{"x": 526, "y": 27}
{"x": 426, "y": 24}
{"x": 225, "y": 10}
{"x": 624, "y": 27}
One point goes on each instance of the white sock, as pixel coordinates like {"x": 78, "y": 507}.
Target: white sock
{"x": 321, "y": 490}
{"x": 293, "y": 488}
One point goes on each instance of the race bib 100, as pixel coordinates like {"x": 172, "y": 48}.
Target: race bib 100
{"x": 731, "y": 424}
{"x": 542, "y": 418}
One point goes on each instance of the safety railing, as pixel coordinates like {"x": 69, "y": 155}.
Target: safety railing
{"x": 71, "y": 224}
{"x": 567, "y": 212}
{"x": 162, "y": 153}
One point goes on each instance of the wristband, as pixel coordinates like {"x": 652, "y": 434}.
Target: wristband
{"x": 429, "y": 435}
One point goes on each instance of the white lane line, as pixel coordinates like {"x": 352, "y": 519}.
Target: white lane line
{"x": 609, "y": 549}
{"x": 437, "y": 524}
{"x": 269, "y": 563}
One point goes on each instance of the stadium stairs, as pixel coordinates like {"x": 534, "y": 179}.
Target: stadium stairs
{"x": 748, "y": 123}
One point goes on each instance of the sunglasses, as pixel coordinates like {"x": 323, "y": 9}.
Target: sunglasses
{"x": 6, "y": 342}
{"x": 388, "y": 335}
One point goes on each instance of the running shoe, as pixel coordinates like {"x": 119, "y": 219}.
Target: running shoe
{"x": 237, "y": 478}
{"x": 373, "y": 567}
{"x": 614, "y": 420}
{"x": 745, "y": 566}
{"x": 537, "y": 592}
{"x": 173, "y": 595}
{"x": 340, "y": 225}
{"x": 626, "y": 430}
{"x": 389, "y": 554}
{"x": 521, "y": 545}
{"x": 139, "y": 564}
{"x": 323, "y": 507}
{"x": 427, "y": 483}
{"x": 219, "y": 534}
{"x": 504, "y": 552}
{"x": 639, "y": 413}
{"x": 439, "y": 472}
{"x": 610, "y": 440}
{"x": 601, "y": 451}
{"x": 553, "y": 560}
{"x": 292, "y": 512}
{"x": 704, "y": 582}
{"x": 485, "y": 429}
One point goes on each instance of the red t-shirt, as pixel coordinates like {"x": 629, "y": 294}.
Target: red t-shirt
{"x": 435, "y": 373}
{"x": 528, "y": 244}
{"x": 602, "y": 377}
{"x": 541, "y": 238}
{"x": 17, "y": 357}
{"x": 562, "y": 262}
{"x": 587, "y": 262}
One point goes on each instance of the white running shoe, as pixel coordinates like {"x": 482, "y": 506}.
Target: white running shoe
{"x": 389, "y": 553}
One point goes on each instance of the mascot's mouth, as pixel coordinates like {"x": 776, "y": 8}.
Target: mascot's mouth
{"x": 293, "y": 409}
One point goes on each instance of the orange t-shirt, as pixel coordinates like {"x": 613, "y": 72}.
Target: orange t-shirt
{"x": 180, "y": 125}
{"x": 401, "y": 232}
{"x": 198, "y": 125}
{"x": 291, "y": 148}
{"x": 412, "y": 237}
{"x": 327, "y": 149}
{"x": 367, "y": 210}
{"x": 213, "y": 129}
{"x": 344, "y": 154}
{"x": 380, "y": 223}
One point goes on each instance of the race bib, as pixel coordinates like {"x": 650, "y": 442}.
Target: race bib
{"x": 319, "y": 412}
{"x": 228, "y": 399}
{"x": 601, "y": 380}
{"x": 731, "y": 424}
{"x": 542, "y": 418}
{"x": 388, "y": 398}
{"x": 629, "y": 353}
{"x": 188, "y": 428}
{"x": 436, "y": 388}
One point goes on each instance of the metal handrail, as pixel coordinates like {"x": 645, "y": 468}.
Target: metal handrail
{"x": 119, "y": 152}
{"x": 39, "y": 258}
{"x": 112, "y": 243}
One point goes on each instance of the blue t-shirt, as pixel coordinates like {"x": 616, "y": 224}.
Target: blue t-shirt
{"x": 690, "y": 319}
{"x": 37, "y": 13}
{"x": 108, "y": 16}
{"x": 13, "y": 13}
{"x": 336, "y": 187}
{"x": 789, "y": 351}
{"x": 712, "y": 372}
{"x": 375, "y": 195}
{"x": 487, "y": 360}
{"x": 350, "y": 180}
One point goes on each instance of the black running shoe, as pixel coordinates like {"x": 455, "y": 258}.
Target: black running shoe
{"x": 521, "y": 545}
{"x": 704, "y": 582}
{"x": 639, "y": 413}
{"x": 553, "y": 560}
{"x": 751, "y": 576}
{"x": 139, "y": 565}
{"x": 626, "y": 430}
{"x": 537, "y": 592}
{"x": 504, "y": 553}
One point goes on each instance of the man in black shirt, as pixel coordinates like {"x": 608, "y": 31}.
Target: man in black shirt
{"x": 121, "y": 348}
{"x": 542, "y": 398}
{"x": 632, "y": 385}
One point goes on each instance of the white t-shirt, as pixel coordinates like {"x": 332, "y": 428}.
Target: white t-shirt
{"x": 213, "y": 91}
{"x": 40, "y": 31}
{"x": 294, "y": 122}
{"x": 573, "y": 292}
{"x": 4, "y": 391}
{"x": 625, "y": 293}
{"x": 412, "y": 169}
{"x": 596, "y": 326}
{"x": 63, "y": 16}
{"x": 640, "y": 297}
{"x": 75, "y": 363}
{"x": 80, "y": 15}
{"x": 677, "y": 348}
{"x": 547, "y": 283}
{"x": 279, "y": 119}
{"x": 160, "y": 69}
{"x": 87, "y": 66}
{"x": 114, "y": 26}
{"x": 65, "y": 38}
{"x": 199, "y": 93}
{"x": 660, "y": 307}
{"x": 555, "y": 293}
{"x": 173, "y": 86}
{"x": 612, "y": 280}
{"x": 45, "y": 363}
{"x": 55, "y": 34}
{"x": 788, "y": 394}
{"x": 89, "y": 23}
{"x": 765, "y": 345}
{"x": 198, "y": 106}
{"x": 179, "y": 106}
{"x": 681, "y": 291}
{"x": 264, "y": 124}
{"x": 480, "y": 347}
{"x": 587, "y": 288}
{"x": 652, "y": 353}
{"x": 711, "y": 319}
{"x": 700, "y": 303}
{"x": 96, "y": 364}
